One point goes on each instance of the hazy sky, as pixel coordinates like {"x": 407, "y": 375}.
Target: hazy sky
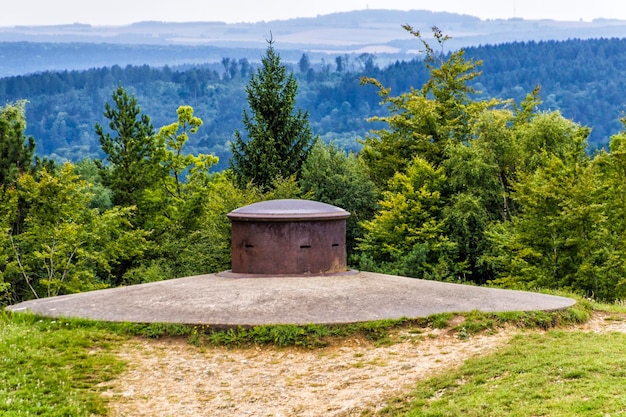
{"x": 119, "y": 12}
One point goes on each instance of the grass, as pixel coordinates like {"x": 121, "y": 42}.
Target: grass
{"x": 551, "y": 373}
{"x": 53, "y": 367}
{"x": 554, "y": 373}
{"x": 311, "y": 335}
{"x": 381, "y": 331}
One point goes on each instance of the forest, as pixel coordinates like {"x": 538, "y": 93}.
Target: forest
{"x": 446, "y": 183}
{"x": 583, "y": 79}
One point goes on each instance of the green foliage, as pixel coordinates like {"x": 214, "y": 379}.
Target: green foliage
{"x": 65, "y": 246}
{"x": 152, "y": 330}
{"x": 6, "y": 220}
{"x": 88, "y": 170}
{"x": 565, "y": 235}
{"x": 517, "y": 202}
{"x": 130, "y": 148}
{"x": 406, "y": 236}
{"x": 309, "y": 336}
{"x": 423, "y": 122}
{"x": 175, "y": 161}
{"x": 150, "y": 270}
{"x": 334, "y": 177}
{"x": 476, "y": 321}
{"x": 174, "y": 207}
{"x": 449, "y": 86}
{"x": 437, "y": 231}
{"x": 412, "y": 123}
{"x": 548, "y": 135}
{"x": 176, "y": 195}
{"x": 16, "y": 151}
{"x": 279, "y": 139}
{"x": 204, "y": 246}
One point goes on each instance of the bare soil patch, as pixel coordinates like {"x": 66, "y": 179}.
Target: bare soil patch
{"x": 173, "y": 378}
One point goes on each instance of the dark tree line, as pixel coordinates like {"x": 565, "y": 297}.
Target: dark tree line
{"x": 584, "y": 79}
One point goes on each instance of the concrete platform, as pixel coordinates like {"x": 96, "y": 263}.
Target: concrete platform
{"x": 227, "y": 300}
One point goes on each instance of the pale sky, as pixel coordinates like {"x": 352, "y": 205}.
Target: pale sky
{"x": 121, "y": 12}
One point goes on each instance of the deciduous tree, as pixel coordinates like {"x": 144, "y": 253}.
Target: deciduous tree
{"x": 65, "y": 245}
{"x": 335, "y": 177}
{"x": 422, "y": 122}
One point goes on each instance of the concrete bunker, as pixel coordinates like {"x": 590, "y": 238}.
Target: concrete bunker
{"x": 287, "y": 237}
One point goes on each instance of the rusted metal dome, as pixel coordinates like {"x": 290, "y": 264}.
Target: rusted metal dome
{"x": 284, "y": 237}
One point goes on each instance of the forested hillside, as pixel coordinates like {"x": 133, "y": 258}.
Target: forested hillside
{"x": 584, "y": 79}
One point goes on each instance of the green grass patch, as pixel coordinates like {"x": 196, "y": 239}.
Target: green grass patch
{"x": 53, "y": 367}
{"x": 311, "y": 335}
{"x": 618, "y": 307}
{"x": 380, "y": 332}
{"x": 555, "y": 373}
{"x": 152, "y": 330}
{"x": 477, "y": 321}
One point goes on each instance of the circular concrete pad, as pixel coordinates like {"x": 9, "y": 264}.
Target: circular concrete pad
{"x": 228, "y": 301}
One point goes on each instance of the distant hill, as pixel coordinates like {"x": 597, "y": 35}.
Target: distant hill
{"x": 28, "y": 49}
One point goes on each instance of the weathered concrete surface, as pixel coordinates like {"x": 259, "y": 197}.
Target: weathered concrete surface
{"x": 232, "y": 301}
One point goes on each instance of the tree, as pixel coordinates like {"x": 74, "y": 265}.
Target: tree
{"x": 205, "y": 246}
{"x": 441, "y": 127}
{"x": 175, "y": 207}
{"x": 340, "y": 64}
{"x": 332, "y": 176}
{"x": 480, "y": 174}
{"x": 65, "y": 246}
{"x": 561, "y": 238}
{"x": 610, "y": 170}
{"x": 568, "y": 227}
{"x": 130, "y": 150}
{"x": 16, "y": 151}
{"x": 175, "y": 197}
{"x": 423, "y": 122}
{"x": 177, "y": 163}
{"x": 280, "y": 137}
{"x": 88, "y": 170}
{"x": 7, "y": 207}
{"x": 304, "y": 65}
{"x": 406, "y": 236}
{"x": 16, "y": 157}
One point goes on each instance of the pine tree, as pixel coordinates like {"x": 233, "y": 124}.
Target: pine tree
{"x": 16, "y": 151}
{"x": 130, "y": 150}
{"x": 280, "y": 137}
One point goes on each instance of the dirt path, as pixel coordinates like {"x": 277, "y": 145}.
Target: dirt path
{"x": 172, "y": 378}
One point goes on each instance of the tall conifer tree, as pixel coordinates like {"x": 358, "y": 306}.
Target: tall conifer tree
{"x": 280, "y": 137}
